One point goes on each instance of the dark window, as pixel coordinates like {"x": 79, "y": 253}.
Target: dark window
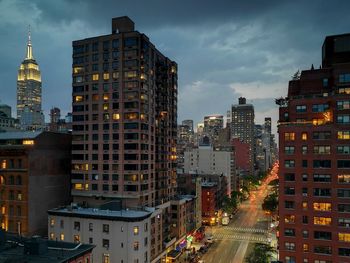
{"x": 289, "y": 190}
{"x": 326, "y": 192}
{"x": 322, "y": 163}
{"x": 323, "y": 235}
{"x": 343, "y": 163}
{"x": 289, "y": 232}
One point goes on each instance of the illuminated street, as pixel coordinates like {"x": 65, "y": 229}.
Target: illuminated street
{"x": 249, "y": 225}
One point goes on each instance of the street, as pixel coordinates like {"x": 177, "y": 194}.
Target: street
{"x": 249, "y": 225}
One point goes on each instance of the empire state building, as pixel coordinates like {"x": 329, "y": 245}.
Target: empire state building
{"x": 29, "y": 110}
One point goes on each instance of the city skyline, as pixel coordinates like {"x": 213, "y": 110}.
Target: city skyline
{"x": 234, "y": 44}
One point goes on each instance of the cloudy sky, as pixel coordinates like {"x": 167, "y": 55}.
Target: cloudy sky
{"x": 224, "y": 48}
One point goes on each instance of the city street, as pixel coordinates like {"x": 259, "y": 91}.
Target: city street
{"x": 249, "y": 225}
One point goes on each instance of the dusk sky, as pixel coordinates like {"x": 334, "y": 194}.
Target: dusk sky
{"x": 224, "y": 49}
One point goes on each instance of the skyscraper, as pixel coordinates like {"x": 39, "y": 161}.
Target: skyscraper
{"x": 242, "y": 126}
{"x": 123, "y": 148}
{"x": 314, "y": 184}
{"x": 29, "y": 110}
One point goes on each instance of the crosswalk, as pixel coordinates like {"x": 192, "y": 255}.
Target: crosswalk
{"x": 240, "y": 237}
{"x": 243, "y": 229}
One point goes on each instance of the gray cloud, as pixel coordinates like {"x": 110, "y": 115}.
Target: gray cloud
{"x": 224, "y": 49}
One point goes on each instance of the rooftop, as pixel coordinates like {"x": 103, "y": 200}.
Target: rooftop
{"x": 129, "y": 215}
{"x": 19, "y": 135}
{"x": 14, "y": 249}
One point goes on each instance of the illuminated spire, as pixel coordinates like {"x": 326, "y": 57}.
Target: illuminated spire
{"x": 29, "y": 46}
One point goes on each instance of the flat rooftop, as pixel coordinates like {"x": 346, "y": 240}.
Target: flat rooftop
{"x": 128, "y": 215}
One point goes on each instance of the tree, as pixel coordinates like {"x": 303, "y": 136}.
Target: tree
{"x": 260, "y": 254}
{"x": 270, "y": 203}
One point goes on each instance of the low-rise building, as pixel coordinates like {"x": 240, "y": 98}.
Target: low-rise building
{"x": 34, "y": 177}
{"x": 119, "y": 235}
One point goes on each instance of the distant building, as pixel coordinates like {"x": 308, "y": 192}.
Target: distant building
{"x": 7, "y": 123}
{"x": 314, "y": 154}
{"x": 242, "y": 126}
{"x": 17, "y": 249}
{"x": 188, "y": 123}
{"x": 212, "y": 126}
{"x": 34, "y": 177}
{"x": 57, "y": 124}
{"x": 29, "y": 101}
{"x": 206, "y": 160}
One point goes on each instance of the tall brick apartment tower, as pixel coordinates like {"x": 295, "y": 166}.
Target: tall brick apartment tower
{"x": 314, "y": 139}
{"x": 124, "y": 119}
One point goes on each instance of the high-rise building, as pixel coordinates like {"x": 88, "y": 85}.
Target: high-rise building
{"x": 124, "y": 144}
{"x": 212, "y": 125}
{"x": 124, "y": 118}
{"x": 242, "y": 126}
{"x": 29, "y": 110}
{"x": 314, "y": 138}
{"x": 188, "y": 123}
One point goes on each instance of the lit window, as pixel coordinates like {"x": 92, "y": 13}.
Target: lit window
{"x": 345, "y": 237}
{"x": 136, "y": 230}
{"x": 115, "y": 75}
{"x": 76, "y": 238}
{"x": 289, "y": 136}
{"x": 52, "y": 236}
{"x": 116, "y": 116}
{"x": 304, "y": 136}
{"x": 28, "y": 142}
{"x": 136, "y": 245}
{"x": 3, "y": 164}
{"x": 95, "y": 77}
{"x": 289, "y": 219}
{"x": 324, "y": 221}
{"x": 52, "y": 222}
{"x": 343, "y": 135}
{"x": 78, "y": 186}
{"x": 106, "y": 76}
{"x": 77, "y": 70}
{"x": 62, "y": 237}
{"x": 105, "y": 106}
{"x": 305, "y": 248}
{"x": 304, "y": 205}
{"x": 105, "y": 258}
{"x": 78, "y": 98}
{"x": 322, "y": 206}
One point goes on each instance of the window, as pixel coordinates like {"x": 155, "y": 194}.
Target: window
{"x": 95, "y": 77}
{"x": 344, "y": 208}
{"x": 289, "y": 136}
{"x": 344, "y": 178}
{"x": 289, "y": 232}
{"x": 289, "y": 177}
{"x": 304, "y": 149}
{"x": 305, "y": 220}
{"x": 62, "y": 237}
{"x": 343, "y": 164}
{"x": 304, "y": 177}
{"x": 322, "y": 149}
{"x": 343, "y": 119}
{"x": 323, "y": 178}
{"x": 136, "y": 230}
{"x": 105, "y": 243}
{"x": 289, "y": 191}
{"x": 326, "y": 135}
{"x": 289, "y": 204}
{"x": 345, "y": 237}
{"x": 304, "y": 163}
{"x": 289, "y": 149}
{"x": 304, "y": 136}
{"x": 320, "y": 107}
{"x": 52, "y": 222}
{"x": 289, "y": 163}
{"x": 305, "y": 233}
{"x": 305, "y": 249}
{"x": 323, "y": 221}
{"x": 76, "y": 238}
{"x": 343, "y": 193}
{"x": 105, "y": 258}
{"x": 322, "y": 163}
{"x": 77, "y": 226}
{"x": 136, "y": 245}
{"x": 301, "y": 108}
{"x": 289, "y": 246}
{"x": 343, "y": 135}
{"x": 343, "y": 149}
{"x": 325, "y": 192}
{"x": 105, "y": 228}
{"x": 323, "y": 250}
{"x": 90, "y": 226}
{"x": 289, "y": 219}
{"x": 343, "y": 105}
{"x": 323, "y": 235}
{"x": 290, "y": 259}
{"x": 344, "y": 222}
{"x": 325, "y": 207}
{"x": 345, "y": 252}
{"x": 344, "y": 77}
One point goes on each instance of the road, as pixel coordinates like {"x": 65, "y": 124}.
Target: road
{"x": 249, "y": 225}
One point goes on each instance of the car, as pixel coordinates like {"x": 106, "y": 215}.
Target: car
{"x": 210, "y": 240}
